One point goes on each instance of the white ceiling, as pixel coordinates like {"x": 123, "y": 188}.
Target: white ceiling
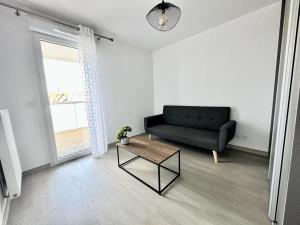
{"x": 126, "y": 19}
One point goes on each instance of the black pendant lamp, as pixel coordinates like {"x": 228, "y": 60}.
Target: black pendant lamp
{"x": 164, "y": 16}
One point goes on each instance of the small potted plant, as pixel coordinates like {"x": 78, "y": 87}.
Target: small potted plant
{"x": 122, "y": 135}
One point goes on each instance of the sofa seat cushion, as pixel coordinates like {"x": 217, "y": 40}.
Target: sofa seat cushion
{"x": 201, "y": 138}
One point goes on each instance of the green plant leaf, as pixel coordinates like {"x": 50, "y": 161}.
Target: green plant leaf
{"x": 123, "y": 132}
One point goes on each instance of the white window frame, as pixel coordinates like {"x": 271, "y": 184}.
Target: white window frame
{"x": 37, "y": 37}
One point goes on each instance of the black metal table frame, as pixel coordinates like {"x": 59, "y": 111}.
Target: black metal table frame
{"x": 159, "y": 190}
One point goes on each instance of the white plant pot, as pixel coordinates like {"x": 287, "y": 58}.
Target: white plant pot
{"x": 125, "y": 141}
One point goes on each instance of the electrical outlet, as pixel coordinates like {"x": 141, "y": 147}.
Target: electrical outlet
{"x": 244, "y": 137}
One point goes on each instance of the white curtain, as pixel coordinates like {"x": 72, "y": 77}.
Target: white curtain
{"x": 91, "y": 75}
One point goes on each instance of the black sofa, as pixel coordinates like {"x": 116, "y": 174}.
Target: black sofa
{"x": 204, "y": 127}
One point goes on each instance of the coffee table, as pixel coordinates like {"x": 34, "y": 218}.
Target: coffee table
{"x": 153, "y": 151}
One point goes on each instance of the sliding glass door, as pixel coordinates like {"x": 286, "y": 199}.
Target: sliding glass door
{"x": 65, "y": 93}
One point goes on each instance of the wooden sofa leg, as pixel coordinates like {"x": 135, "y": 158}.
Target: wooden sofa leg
{"x": 149, "y": 137}
{"x": 215, "y": 153}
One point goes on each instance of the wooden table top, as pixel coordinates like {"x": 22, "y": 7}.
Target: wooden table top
{"x": 152, "y": 150}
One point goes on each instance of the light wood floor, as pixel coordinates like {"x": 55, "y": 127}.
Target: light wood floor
{"x": 72, "y": 141}
{"x": 91, "y": 191}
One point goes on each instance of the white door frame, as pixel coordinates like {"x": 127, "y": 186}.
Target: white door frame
{"x": 285, "y": 115}
{"x": 37, "y": 37}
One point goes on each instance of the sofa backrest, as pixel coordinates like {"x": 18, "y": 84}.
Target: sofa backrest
{"x": 208, "y": 118}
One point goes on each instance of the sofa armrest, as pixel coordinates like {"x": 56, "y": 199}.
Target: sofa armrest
{"x": 226, "y": 133}
{"x": 152, "y": 121}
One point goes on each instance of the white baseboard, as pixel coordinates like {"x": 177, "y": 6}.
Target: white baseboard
{"x": 37, "y": 169}
{"x": 249, "y": 150}
{"x": 234, "y": 147}
{"x": 111, "y": 145}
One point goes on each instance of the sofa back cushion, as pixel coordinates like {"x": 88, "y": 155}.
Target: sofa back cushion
{"x": 208, "y": 118}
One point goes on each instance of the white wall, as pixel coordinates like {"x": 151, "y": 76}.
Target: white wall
{"x": 127, "y": 88}
{"x": 232, "y": 65}
{"x": 19, "y": 91}
{"x": 190, "y": 72}
{"x": 127, "y": 85}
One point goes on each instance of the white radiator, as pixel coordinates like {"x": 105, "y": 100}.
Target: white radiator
{"x": 9, "y": 156}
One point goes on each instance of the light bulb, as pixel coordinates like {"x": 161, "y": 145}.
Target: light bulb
{"x": 163, "y": 19}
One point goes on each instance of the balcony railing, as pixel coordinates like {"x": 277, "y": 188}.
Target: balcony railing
{"x": 68, "y": 115}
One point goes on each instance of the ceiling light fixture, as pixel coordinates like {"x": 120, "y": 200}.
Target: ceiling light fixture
{"x": 164, "y": 16}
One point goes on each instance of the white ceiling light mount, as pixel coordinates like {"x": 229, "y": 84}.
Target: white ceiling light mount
{"x": 164, "y": 16}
